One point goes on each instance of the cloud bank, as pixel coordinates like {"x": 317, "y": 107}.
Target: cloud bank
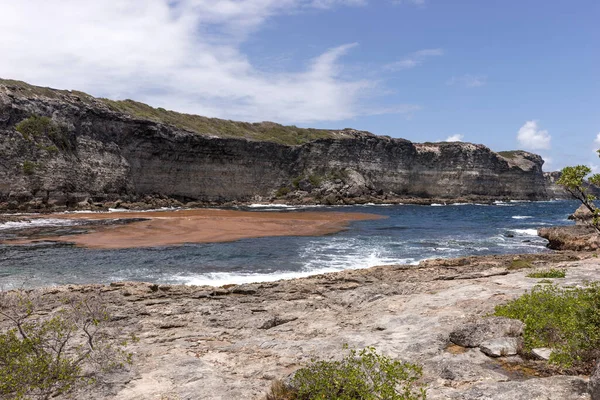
{"x": 184, "y": 55}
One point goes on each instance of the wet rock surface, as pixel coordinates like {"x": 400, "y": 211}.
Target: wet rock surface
{"x": 232, "y": 342}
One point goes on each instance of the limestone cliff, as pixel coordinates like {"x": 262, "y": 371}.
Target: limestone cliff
{"x": 68, "y": 148}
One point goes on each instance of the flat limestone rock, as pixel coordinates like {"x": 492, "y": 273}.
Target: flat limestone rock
{"x": 543, "y": 353}
{"x": 501, "y": 347}
{"x": 551, "y": 388}
{"x": 594, "y": 384}
{"x": 474, "y": 334}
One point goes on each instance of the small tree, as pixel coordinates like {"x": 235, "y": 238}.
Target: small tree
{"x": 44, "y": 357}
{"x": 573, "y": 180}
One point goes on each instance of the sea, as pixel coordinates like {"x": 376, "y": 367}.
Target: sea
{"x": 409, "y": 234}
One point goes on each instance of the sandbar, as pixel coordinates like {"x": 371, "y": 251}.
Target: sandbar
{"x": 169, "y": 228}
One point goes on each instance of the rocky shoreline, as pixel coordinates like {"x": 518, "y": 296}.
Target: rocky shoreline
{"x": 231, "y": 342}
{"x": 292, "y": 199}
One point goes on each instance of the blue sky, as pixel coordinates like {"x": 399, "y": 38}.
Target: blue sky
{"x": 508, "y": 74}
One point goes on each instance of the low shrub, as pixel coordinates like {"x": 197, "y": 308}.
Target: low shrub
{"x": 519, "y": 264}
{"x": 36, "y": 127}
{"x": 71, "y": 348}
{"x": 362, "y": 374}
{"x": 315, "y": 180}
{"x": 566, "y": 320}
{"x": 282, "y": 191}
{"x": 29, "y": 167}
{"x": 549, "y": 273}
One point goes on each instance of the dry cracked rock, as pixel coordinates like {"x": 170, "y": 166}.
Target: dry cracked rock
{"x": 474, "y": 334}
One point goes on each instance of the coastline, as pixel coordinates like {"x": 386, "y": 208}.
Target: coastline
{"x": 230, "y": 342}
{"x": 149, "y": 203}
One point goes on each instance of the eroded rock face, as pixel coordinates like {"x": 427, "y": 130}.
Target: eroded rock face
{"x": 101, "y": 155}
{"x": 582, "y": 216}
{"x": 576, "y": 238}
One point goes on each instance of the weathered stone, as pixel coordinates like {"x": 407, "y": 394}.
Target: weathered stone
{"x": 594, "y": 384}
{"x": 542, "y": 353}
{"x": 474, "y": 334}
{"x": 501, "y": 347}
{"x": 583, "y": 216}
{"x": 575, "y": 238}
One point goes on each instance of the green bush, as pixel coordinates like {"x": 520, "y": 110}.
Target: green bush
{"x": 519, "y": 264}
{"x": 29, "y": 167}
{"x": 315, "y": 180}
{"x": 363, "y": 374}
{"x": 282, "y": 191}
{"x": 566, "y": 320}
{"x": 44, "y": 357}
{"x": 550, "y": 273}
{"x": 36, "y": 127}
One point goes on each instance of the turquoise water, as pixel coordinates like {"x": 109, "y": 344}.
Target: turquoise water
{"x": 408, "y": 235}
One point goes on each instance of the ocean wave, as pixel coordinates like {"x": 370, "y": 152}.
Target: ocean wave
{"x": 228, "y": 278}
{"x": 521, "y": 217}
{"x": 526, "y": 232}
{"x": 37, "y": 222}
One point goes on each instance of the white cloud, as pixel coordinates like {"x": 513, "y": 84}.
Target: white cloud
{"x": 531, "y": 137}
{"x": 455, "y": 138}
{"x": 468, "y": 80}
{"x": 596, "y": 143}
{"x": 414, "y": 59}
{"x": 415, "y": 2}
{"x": 184, "y": 55}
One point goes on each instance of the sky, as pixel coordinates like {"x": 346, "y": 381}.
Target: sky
{"x": 512, "y": 74}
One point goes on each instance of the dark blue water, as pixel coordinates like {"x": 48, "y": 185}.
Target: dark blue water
{"x": 408, "y": 235}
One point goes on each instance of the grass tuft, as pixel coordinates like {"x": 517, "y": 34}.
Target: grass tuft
{"x": 550, "y": 273}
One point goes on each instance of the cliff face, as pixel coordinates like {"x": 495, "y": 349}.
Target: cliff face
{"x": 61, "y": 147}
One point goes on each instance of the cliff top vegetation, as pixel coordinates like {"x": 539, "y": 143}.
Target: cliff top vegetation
{"x": 263, "y": 131}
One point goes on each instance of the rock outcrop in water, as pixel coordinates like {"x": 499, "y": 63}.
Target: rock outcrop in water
{"x": 66, "y": 148}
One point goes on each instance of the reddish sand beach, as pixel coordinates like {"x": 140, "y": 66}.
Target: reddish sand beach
{"x": 166, "y": 228}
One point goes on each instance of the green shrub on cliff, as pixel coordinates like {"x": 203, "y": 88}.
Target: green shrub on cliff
{"x": 44, "y": 357}
{"x": 566, "y": 320}
{"x": 362, "y": 374}
{"x": 28, "y": 167}
{"x": 36, "y": 127}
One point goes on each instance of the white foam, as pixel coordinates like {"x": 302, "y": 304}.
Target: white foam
{"x": 260, "y": 205}
{"x": 526, "y": 232}
{"x": 437, "y": 205}
{"x": 521, "y": 217}
{"x": 228, "y": 278}
{"x": 36, "y": 222}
